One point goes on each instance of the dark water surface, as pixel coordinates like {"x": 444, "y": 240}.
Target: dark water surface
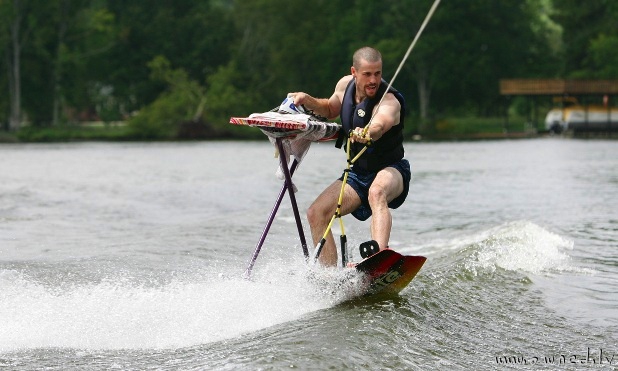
{"x": 130, "y": 256}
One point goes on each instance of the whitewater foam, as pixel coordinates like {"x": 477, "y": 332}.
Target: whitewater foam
{"x": 122, "y": 315}
{"x": 520, "y": 246}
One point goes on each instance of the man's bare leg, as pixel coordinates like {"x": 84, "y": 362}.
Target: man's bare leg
{"x": 321, "y": 212}
{"x": 387, "y": 185}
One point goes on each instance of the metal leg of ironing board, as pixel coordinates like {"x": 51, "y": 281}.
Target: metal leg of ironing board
{"x": 287, "y": 186}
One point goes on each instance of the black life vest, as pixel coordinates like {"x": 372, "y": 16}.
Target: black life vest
{"x": 384, "y": 151}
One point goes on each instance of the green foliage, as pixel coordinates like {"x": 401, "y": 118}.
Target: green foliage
{"x": 63, "y": 133}
{"x": 60, "y": 41}
{"x": 603, "y": 48}
{"x": 195, "y": 36}
{"x": 225, "y": 96}
{"x": 161, "y": 64}
{"x": 183, "y": 101}
{"x": 589, "y": 32}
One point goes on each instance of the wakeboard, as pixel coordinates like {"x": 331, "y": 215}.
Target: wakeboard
{"x": 389, "y": 272}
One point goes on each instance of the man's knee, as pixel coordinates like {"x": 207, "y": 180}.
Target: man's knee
{"x": 311, "y": 214}
{"x": 376, "y": 194}
{"x": 315, "y": 214}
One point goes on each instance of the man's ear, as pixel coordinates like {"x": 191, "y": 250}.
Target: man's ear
{"x": 353, "y": 71}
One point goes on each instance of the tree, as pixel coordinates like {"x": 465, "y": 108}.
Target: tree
{"x": 466, "y": 48}
{"x": 286, "y": 46}
{"x": 602, "y": 51}
{"x": 195, "y": 36}
{"x": 48, "y": 46}
{"x": 590, "y": 37}
{"x": 582, "y": 22}
{"x": 17, "y": 29}
{"x": 85, "y": 31}
{"x": 182, "y": 100}
{"x": 243, "y": 56}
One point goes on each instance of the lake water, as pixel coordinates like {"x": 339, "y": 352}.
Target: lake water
{"x": 131, "y": 255}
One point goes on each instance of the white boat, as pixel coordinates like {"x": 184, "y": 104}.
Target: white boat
{"x": 582, "y": 118}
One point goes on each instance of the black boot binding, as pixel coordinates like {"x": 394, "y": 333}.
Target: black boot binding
{"x": 368, "y": 248}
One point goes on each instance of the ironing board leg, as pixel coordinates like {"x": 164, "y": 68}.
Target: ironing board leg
{"x": 287, "y": 172}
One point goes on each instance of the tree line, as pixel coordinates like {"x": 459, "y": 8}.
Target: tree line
{"x": 170, "y": 66}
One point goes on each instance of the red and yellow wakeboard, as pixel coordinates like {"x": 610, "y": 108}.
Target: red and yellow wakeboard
{"x": 389, "y": 272}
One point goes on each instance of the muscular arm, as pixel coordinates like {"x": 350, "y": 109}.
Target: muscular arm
{"x": 384, "y": 118}
{"x": 327, "y": 107}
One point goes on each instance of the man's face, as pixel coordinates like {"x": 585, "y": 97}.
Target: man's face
{"x": 368, "y": 77}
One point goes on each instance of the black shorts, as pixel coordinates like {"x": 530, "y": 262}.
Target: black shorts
{"x": 361, "y": 181}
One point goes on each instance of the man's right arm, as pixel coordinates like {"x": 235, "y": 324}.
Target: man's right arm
{"x": 329, "y": 108}
{"x": 320, "y": 106}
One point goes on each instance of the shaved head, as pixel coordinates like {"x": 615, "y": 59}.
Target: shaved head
{"x": 366, "y": 53}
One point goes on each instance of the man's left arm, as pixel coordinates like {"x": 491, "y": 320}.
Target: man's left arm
{"x": 384, "y": 118}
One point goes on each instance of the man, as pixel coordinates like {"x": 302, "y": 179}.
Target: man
{"x": 380, "y": 178}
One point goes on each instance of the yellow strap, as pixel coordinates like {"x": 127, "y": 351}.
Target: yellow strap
{"x": 344, "y": 182}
